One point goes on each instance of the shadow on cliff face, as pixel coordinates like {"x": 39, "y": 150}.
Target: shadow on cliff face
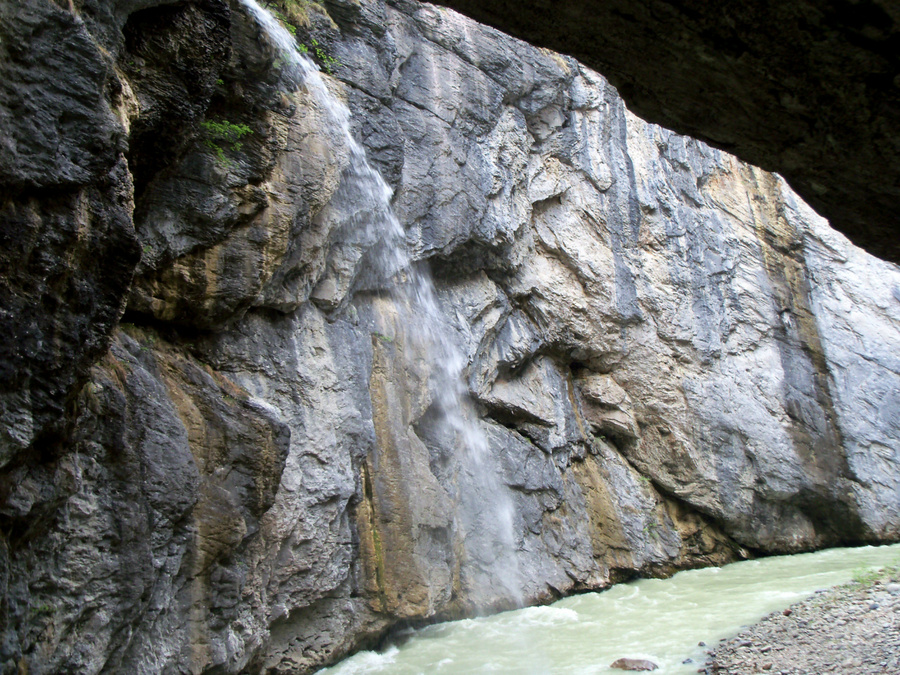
{"x": 68, "y": 247}
{"x": 151, "y": 508}
{"x": 142, "y": 479}
{"x": 173, "y": 59}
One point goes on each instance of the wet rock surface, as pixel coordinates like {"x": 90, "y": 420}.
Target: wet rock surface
{"x": 68, "y": 241}
{"x": 673, "y": 360}
{"x": 853, "y": 629}
{"x": 633, "y": 664}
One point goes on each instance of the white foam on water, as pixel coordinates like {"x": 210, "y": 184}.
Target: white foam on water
{"x": 364, "y": 663}
{"x": 547, "y": 615}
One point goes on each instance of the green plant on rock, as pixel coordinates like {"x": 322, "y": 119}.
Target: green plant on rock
{"x": 294, "y": 13}
{"x": 219, "y": 135}
{"x": 651, "y": 529}
{"x": 327, "y": 62}
{"x": 284, "y": 21}
{"x": 383, "y": 338}
{"x": 40, "y": 610}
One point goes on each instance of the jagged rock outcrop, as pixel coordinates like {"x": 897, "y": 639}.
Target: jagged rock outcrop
{"x": 672, "y": 360}
{"x": 808, "y": 89}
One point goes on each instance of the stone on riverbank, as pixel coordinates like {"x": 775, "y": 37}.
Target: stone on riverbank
{"x": 852, "y": 629}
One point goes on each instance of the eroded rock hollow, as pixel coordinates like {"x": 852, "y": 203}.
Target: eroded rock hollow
{"x": 220, "y": 447}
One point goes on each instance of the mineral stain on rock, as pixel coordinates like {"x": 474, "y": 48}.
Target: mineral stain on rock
{"x": 215, "y": 455}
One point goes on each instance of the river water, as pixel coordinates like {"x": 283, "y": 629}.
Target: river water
{"x": 658, "y": 619}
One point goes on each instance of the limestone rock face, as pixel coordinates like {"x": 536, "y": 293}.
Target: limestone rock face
{"x": 807, "y": 89}
{"x": 668, "y": 359}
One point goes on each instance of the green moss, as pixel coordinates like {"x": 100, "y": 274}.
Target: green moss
{"x": 317, "y": 51}
{"x": 379, "y": 568}
{"x": 866, "y": 576}
{"x": 40, "y": 610}
{"x": 651, "y": 529}
{"x": 291, "y": 13}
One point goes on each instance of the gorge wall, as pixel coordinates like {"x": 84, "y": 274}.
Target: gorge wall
{"x": 220, "y": 451}
{"x": 808, "y": 89}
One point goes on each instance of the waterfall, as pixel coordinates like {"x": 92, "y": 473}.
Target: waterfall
{"x": 412, "y": 287}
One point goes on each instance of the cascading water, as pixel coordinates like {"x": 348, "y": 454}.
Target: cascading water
{"x": 367, "y": 198}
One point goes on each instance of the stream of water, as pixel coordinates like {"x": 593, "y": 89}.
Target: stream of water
{"x": 364, "y": 199}
{"x": 662, "y": 620}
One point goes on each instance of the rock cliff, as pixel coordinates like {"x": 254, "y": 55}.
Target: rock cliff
{"x": 808, "y": 89}
{"x": 222, "y": 449}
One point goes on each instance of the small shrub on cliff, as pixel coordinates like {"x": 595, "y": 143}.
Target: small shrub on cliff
{"x": 327, "y": 62}
{"x": 383, "y": 338}
{"x": 224, "y": 133}
{"x": 296, "y": 13}
{"x": 40, "y": 610}
{"x": 651, "y": 529}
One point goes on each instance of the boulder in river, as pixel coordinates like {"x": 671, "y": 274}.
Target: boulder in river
{"x": 633, "y": 664}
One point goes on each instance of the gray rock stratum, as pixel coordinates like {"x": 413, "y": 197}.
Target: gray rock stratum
{"x": 808, "y": 89}
{"x": 673, "y": 360}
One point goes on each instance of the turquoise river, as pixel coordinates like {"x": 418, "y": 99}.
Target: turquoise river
{"x": 662, "y": 620}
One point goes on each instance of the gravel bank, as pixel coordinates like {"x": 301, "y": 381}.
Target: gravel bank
{"x": 852, "y": 630}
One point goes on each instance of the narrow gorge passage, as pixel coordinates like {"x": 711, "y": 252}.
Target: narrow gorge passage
{"x": 300, "y": 357}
